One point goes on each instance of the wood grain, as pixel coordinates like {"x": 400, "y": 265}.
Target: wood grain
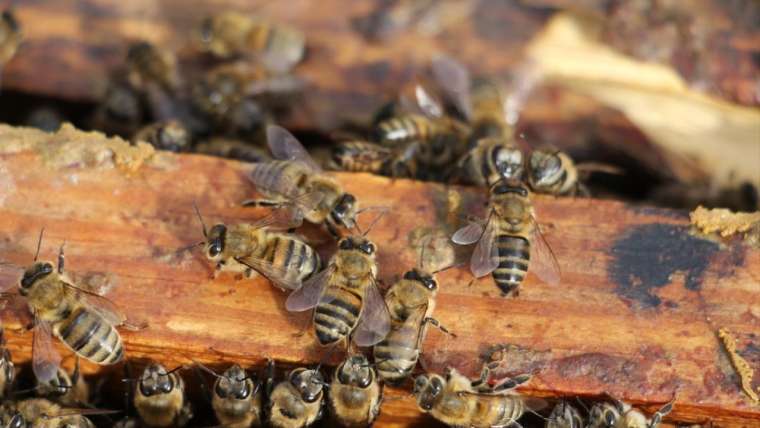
{"x": 635, "y": 316}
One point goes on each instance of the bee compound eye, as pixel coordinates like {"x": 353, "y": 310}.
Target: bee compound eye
{"x": 345, "y": 244}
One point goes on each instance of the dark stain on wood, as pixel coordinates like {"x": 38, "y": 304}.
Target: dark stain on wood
{"x": 646, "y": 256}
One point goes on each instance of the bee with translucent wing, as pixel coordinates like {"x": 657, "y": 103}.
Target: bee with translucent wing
{"x": 508, "y": 239}
{"x": 295, "y": 182}
{"x": 84, "y": 321}
{"x": 346, "y": 300}
{"x": 283, "y": 258}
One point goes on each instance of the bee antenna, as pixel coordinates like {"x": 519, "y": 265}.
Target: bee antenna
{"x": 180, "y": 367}
{"x": 205, "y": 369}
{"x": 449, "y": 267}
{"x": 198, "y": 213}
{"x": 375, "y": 220}
{"x": 39, "y": 244}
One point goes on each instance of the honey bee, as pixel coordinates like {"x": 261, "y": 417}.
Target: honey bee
{"x": 554, "y": 172}
{"x": 42, "y": 413}
{"x": 434, "y": 139}
{"x": 493, "y": 153}
{"x": 168, "y": 135}
{"x": 232, "y": 149}
{"x": 297, "y": 401}
{"x": 159, "y": 397}
{"x": 7, "y": 369}
{"x": 10, "y": 36}
{"x": 120, "y": 111}
{"x": 564, "y": 415}
{"x": 236, "y": 398}
{"x": 346, "y": 300}
{"x": 618, "y": 414}
{"x": 365, "y": 156}
{"x": 295, "y": 181}
{"x": 69, "y": 391}
{"x": 83, "y": 320}
{"x": 147, "y": 65}
{"x": 231, "y": 34}
{"x": 355, "y": 393}
{"x": 284, "y": 259}
{"x": 506, "y": 238}
{"x": 410, "y": 302}
{"x": 457, "y": 401}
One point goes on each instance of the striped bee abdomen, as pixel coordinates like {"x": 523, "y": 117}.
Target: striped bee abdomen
{"x": 404, "y": 129}
{"x": 294, "y": 256}
{"x": 277, "y": 177}
{"x": 90, "y": 336}
{"x": 514, "y": 256}
{"x": 336, "y": 315}
{"x": 397, "y": 354}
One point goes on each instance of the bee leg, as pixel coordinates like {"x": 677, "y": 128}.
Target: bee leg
{"x": 332, "y": 230}
{"x": 582, "y": 190}
{"x": 269, "y": 380}
{"x": 437, "y": 324}
{"x": 260, "y": 203}
{"x": 511, "y": 383}
{"x": 61, "y": 258}
{"x": 481, "y": 384}
{"x": 664, "y": 410}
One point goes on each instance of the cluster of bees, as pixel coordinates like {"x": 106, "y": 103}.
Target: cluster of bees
{"x": 467, "y": 138}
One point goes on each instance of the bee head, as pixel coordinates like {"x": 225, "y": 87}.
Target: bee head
{"x": 17, "y": 421}
{"x": 35, "y": 273}
{"x": 234, "y": 383}
{"x": 509, "y": 161}
{"x": 172, "y": 136}
{"x": 10, "y": 20}
{"x": 155, "y": 381}
{"x": 357, "y": 243}
{"x": 344, "y": 212}
{"x": 427, "y": 389}
{"x": 356, "y": 371}
{"x": 565, "y": 415}
{"x": 60, "y": 384}
{"x": 545, "y": 168}
{"x": 604, "y": 415}
{"x": 138, "y": 52}
{"x": 309, "y": 384}
{"x": 340, "y": 154}
{"x": 216, "y": 241}
{"x": 423, "y": 278}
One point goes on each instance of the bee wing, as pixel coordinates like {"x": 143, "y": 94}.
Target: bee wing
{"x": 485, "y": 257}
{"x": 605, "y": 168}
{"x": 9, "y": 275}
{"x": 286, "y": 217}
{"x": 285, "y": 146}
{"x": 543, "y": 262}
{"x": 106, "y": 308}
{"x": 468, "y": 234}
{"x": 45, "y": 359}
{"x": 427, "y": 103}
{"x": 454, "y": 80}
{"x": 375, "y": 322}
{"x": 277, "y": 274}
{"x": 308, "y": 295}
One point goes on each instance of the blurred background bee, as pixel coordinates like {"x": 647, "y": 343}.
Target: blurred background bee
{"x": 555, "y": 173}
{"x": 69, "y": 391}
{"x": 232, "y": 148}
{"x": 410, "y": 302}
{"x": 42, "y": 413}
{"x": 355, "y": 393}
{"x": 564, "y": 415}
{"x": 365, "y": 156}
{"x": 297, "y": 401}
{"x": 457, "y": 401}
{"x": 159, "y": 397}
{"x": 507, "y": 239}
{"x": 170, "y": 135}
{"x": 10, "y": 36}
{"x": 83, "y": 320}
{"x": 7, "y": 368}
{"x": 284, "y": 259}
{"x": 296, "y": 182}
{"x": 617, "y": 414}
{"x": 231, "y": 34}
{"x": 346, "y": 300}
{"x": 236, "y": 397}
{"x": 147, "y": 65}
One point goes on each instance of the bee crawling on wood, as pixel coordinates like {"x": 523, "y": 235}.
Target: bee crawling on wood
{"x": 284, "y": 259}
{"x": 355, "y": 393}
{"x": 458, "y": 401}
{"x": 83, "y": 320}
{"x": 554, "y": 172}
{"x": 506, "y": 239}
{"x": 296, "y": 402}
{"x": 346, "y": 300}
{"x": 294, "y": 181}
